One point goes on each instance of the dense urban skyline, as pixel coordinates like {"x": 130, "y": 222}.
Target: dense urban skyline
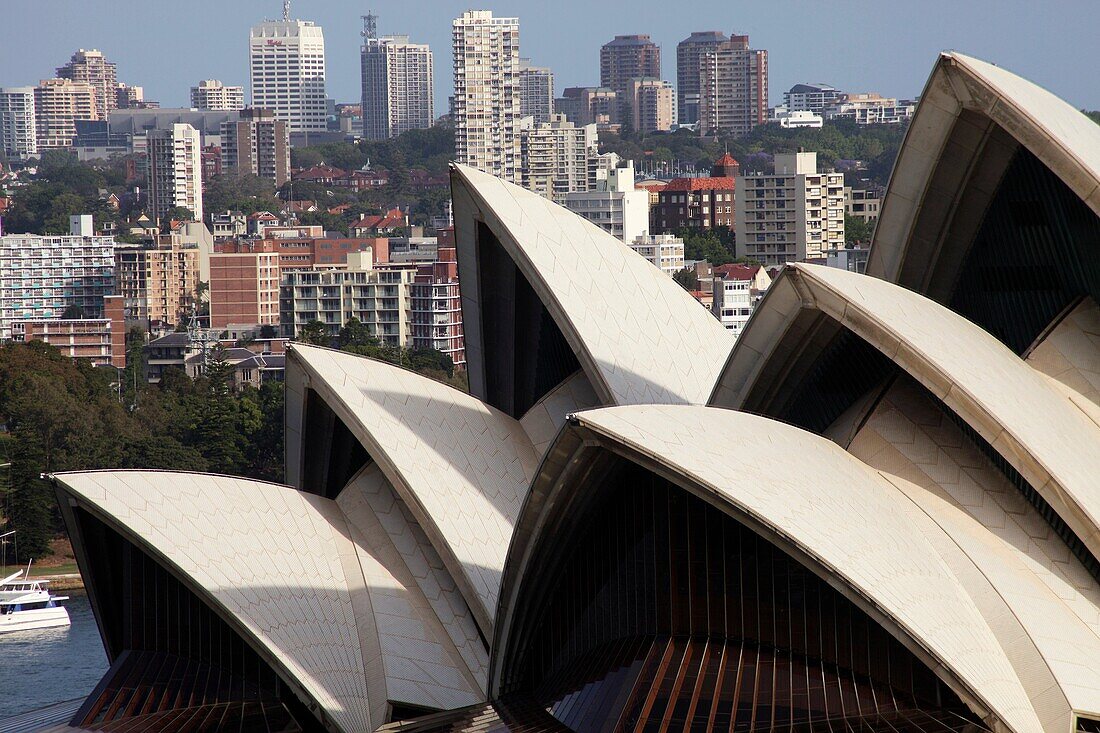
{"x": 851, "y": 44}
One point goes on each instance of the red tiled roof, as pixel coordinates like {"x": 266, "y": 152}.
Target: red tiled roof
{"x": 319, "y": 171}
{"x": 737, "y": 272}
{"x": 727, "y": 159}
{"x": 707, "y": 183}
{"x": 395, "y": 217}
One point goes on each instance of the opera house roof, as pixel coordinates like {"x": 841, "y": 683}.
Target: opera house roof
{"x": 876, "y": 511}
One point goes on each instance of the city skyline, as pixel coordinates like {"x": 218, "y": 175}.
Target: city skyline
{"x": 884, "y": 52}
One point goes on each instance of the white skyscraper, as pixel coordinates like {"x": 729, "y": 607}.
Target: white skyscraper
{"x": 287, "y": 72}
{"x": 487, "y": 99}
{"x": 18, "y": 130}
{"x": 213, "y": 95}
{"x": 397, "y": 84}
{"x": 175, "y": 170}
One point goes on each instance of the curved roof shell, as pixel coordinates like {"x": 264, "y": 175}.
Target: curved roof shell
{"x": 1010, "y": 405}
{"x": 806, "y": 495}
{"x": 971, "y": 118}
{"x": 460, "y": 466}
{"x": 639, "y": 337}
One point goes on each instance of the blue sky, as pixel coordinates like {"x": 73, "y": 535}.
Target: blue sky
{"x": 885, "y": 46}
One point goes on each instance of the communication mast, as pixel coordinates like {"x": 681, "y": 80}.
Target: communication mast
{"x": 199, "y": 338}
{"x": 370, "y": 26}
{"x": 286, "y": 10}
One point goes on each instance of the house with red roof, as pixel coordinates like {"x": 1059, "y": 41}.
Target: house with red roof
{"x": 703, "y": 202}
{"x": 374, "y": 225}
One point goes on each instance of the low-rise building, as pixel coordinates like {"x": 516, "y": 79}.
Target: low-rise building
{"x": 792, "y": 214}
{"x": 863, "y": 203}
{"x": 871, "y": 109}
{"x": 102, "y": 341}
{"x": 791, "y": 119}
{"x": 614, "y": 205}
{"x": 665, "y": 251}
{"x": 703, "y": 202}
{"x": 736, "y": 290}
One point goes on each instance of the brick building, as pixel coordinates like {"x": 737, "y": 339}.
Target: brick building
{"x": 698, "y": 203}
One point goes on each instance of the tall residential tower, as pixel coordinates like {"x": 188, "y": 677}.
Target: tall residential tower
{"x": 211, "y": 94}
{"x": 18, "y": 128}
{"x": 93, "y": 68}
{"x": 689, "y": 56}
{"x": 175, "y": 170}
{"x": 397, "y": 84}
{"x": 733, "y": 84}
{"x": 487, "y": 99}
{"x": 536, "y": 91}
{"x": 625, "y": 58}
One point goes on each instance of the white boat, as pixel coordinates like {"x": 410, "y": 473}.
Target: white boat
{"x": 27, "y": 604}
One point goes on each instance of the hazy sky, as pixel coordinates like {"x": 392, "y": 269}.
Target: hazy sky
{"x": 886, "y": 46}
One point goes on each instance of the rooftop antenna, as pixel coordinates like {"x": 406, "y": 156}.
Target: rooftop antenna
{"x": 286, "y": 10}
{"x": 370, "y": 26}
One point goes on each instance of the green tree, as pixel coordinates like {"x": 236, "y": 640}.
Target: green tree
{"x": 316, "y": 333}
{"x": 687, "y": 277}
{"x": 177, "y": 213}
{"x": 857, "y": 230}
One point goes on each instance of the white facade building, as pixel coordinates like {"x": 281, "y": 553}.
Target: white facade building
{"x": 736, "y": 290}
{"x": 487, "y": 96}
{"x": 57, "y": 103}
{"x": 791, "y": 215}
{"x": 380, "y": 299}
{"x": 810, "y": 97}
{"x": 397, "y": 86}
{"x": 614, "y": 204}
{"x": 556, "y": 156}
{"x": 175, "y": 170}
{"x": 40, "y": 276}
{"x": 211, "y": 94}
{"x": 287, "y": 72}
{"x": 870, "y": 109}
{"x": 18, "y": 129}
{"x": 665, "y": 251}
{"x": 536, "y": 91}
{"x": 799, "y": 118}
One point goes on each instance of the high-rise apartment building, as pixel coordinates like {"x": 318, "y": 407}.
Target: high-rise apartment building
{"x": 614, "y": 204}
{"x": 792, "y": 214}
{"x": 287, "y": 72}
{"x": 41, "y": 276}
{"x": 733, "y": 96}
{"x": 437, "y": 303}
{"x": 158, "y": 282}
{"x": 211, "y": 94}
{"x": 652, "y": 104}
{"x": 624, "y": 58}
{"x": 689, "y": 57}
{"x": 128, "y": 97}
{"x": 57, "y": 103}
{"x": 487, "y": 99}
{"x": 556, "y": 156}
{"x": 18, "y": 128}
{"x": 536, "y": 91}
{"x": 175, "y": 170}
{"x": 397, "y": 85}
{"x": 256, "y": 143}
{"x": 93, "y": 68}
{"x": 585, "y": 105}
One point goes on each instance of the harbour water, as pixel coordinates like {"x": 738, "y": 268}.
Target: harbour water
{"x": 46, "y": 666}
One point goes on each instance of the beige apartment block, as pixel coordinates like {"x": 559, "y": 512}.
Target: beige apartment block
{"x": 793, "y": 214}
{"x": 158, "y": 282}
